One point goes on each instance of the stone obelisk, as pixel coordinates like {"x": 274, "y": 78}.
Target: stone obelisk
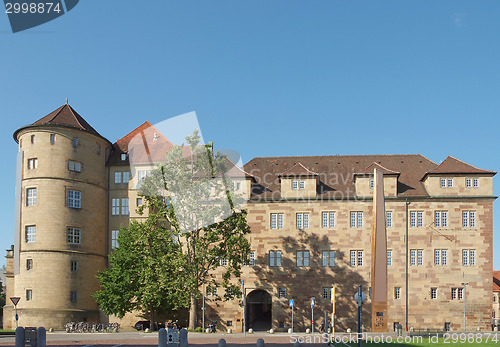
{"x": 379, "y": 256}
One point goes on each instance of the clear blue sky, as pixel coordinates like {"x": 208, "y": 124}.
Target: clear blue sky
{"x": 266, "y": 78}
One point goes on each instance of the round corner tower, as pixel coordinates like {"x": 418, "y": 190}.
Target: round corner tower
{"x": 61, "y": 219}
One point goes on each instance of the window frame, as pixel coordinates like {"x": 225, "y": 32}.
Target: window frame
{"x": 281, "y": 292}
{"x": 434, "y": 291}
{"x": 29, "y": 264}
{"x": 275, "y": 258}
{"x": 30, "y": 233}
{"x": 328, "y": 258}
{"x": 74, "y": 201}
{"x": 31, "y": 199}
{"x": 302, "y": 220}
{"x": 276, "y": 219}
{"x": 73, "y": 235}
{"x": 302, "y": 258}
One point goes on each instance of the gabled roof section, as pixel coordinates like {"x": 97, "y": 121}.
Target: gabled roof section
{"x": 496, "y": 281}
{"x": 452, "y": 165}
{"x": 369, "y": 170}
{"x": 147, "y": 144}
{"x": 64, "y": 116}
{"x": 298, "y": 170}
{"x": 235, "y": 171}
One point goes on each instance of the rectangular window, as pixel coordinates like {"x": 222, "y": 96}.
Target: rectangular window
{"x": 388, "y": 219}
{"x": 433, "y": 293}
{"x": 31, "y": 197}
{"x": 476, "y": 183}
{"x": 118, "y": 177}
{"x": 397, "y": 293}
{"x": 274, "y": 258}
{"x": 75, "y": 142}
{"x": 74, "y": 166}
{"x": 441, "y": 219}
{"x": 281, "y": 292}
{"x": 126, "y": 177}
{"x": 98, "y": 149}
{"x": 328, "y": 219}
{"x": 460, "y": 293}
{"x": 468, "y": 257}
{"x": 29, "y": 295}
{"x": 302, "y": 258}
{"x": 30, "y": 233}
{"x": 52, "y": 138}
{"x": 371, "y": 184}
{"x": 223, "y": 262}
{"x": 302, "y": 185}
{"x": 74, "y": 266}
{"x": 328, "y": 258}
{"x": 437, "y": 257}
{"x": 472, "y": 257}
{"x": 74, "y": 199}
{"x": 114, "y": 238}
{"x": 356, "y": 258}
{"x": 139, "y": 201}
{"x": 32, "y": 163}
{"x": 302, "y": 220}
{"x": 295, "y": 185}
{"x": 251, "y": 258}
{"x": 443, "y": 183}
{"x": 73, "y": 296}
{"x": 356, "y": 219}
{"x": 413, "y": 219}
{"x": 115, "y": 207}
{"x": 449, "y": 182}
{"x": 123, "y": 156}
{"x": 389, "y": 258}
{"x": 125, "y": 210}
{"x": 73, "y": 235}
{"x": 32, "y": 138}
{"x": 465, "y": 257}
{"x": 416, "y": 257}
{"x": 453, "y": 293}
{"x": 420, "y": 219}
{"x": 444, "y": 257}
{"x": 468, "y": 183}
{"x": 327, "y": 293}
{"x": 469, "y": 219}
{"x": 29, "y": 264}
{"x": 276, "y": 220}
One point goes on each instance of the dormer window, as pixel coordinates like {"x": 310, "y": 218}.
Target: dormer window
{"x": 298, "y": 184}
{"x": 124, "y": 156}
{"x": 446, "y": 182}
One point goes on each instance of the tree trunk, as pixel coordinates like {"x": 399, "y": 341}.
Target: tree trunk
{"x": 193, "y": 309}
{"x": 151, "y": 318}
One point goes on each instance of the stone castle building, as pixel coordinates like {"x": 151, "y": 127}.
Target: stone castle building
{"x": 311, "y": 221}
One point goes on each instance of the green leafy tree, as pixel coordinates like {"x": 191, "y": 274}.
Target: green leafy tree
{"x": 147, "y": 272}
{"x": 203, "y": 213}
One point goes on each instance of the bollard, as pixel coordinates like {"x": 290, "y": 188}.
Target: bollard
{"x": 19, "y": 337}
{"x": 41, "y": 337}
{"x": 162, "y": 338}
{"x": 222, "y": 343}
{"x": 260, "y": 343}
{"x": 183, "y": 337}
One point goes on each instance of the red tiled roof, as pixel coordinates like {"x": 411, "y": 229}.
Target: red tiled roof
{"x": 496, "y": 281}
{"x": 453, "y": 165}
{"x": 64, "y": 116}
{"x": 336, "y": 173}
{"x": 145, "y": 145}
{"x": 298, "y": 170}
{"x": 369, "y": 170}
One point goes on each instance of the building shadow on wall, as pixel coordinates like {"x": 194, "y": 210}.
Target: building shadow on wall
{"x": 302, "y": 283}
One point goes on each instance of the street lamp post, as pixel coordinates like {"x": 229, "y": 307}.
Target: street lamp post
{"x": 465, "y": 284}
{"x": 203, "y": 309}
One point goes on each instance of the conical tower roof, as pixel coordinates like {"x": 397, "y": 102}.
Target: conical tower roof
{"x": 64, "y": 116}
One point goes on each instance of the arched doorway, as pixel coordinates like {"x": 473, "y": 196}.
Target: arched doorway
{"x": 258, "y": 310}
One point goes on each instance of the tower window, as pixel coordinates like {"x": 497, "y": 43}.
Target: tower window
{"x": 74, "y": 266}
{"x": 30, "y": 233}
{"x": 31, "y": 197}
{"x": 52, "y": 138}
{"x": 75, "y": 142}
{"x": 32, "y": 138}
{"x": 74, "y": 235}
{"x": 29, "y": 294}
{"x": 74, "y": 199}
{"x": 114, "y": 238}
{"x": 74, "y": 166}
{"x": 32, "y": 163}
{"x": 98, "y": 149}
{"x": 29, "y": 264}
{"x": 73, "y": 296}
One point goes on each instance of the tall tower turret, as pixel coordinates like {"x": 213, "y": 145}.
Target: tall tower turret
{"x": 60, "y": 240}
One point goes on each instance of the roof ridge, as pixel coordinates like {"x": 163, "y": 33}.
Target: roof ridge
{"x": 382, "y": 166}
{"x": 340, "y": 155}
{"x": 56, "y": 114}
{"x": 74, "y": 115}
